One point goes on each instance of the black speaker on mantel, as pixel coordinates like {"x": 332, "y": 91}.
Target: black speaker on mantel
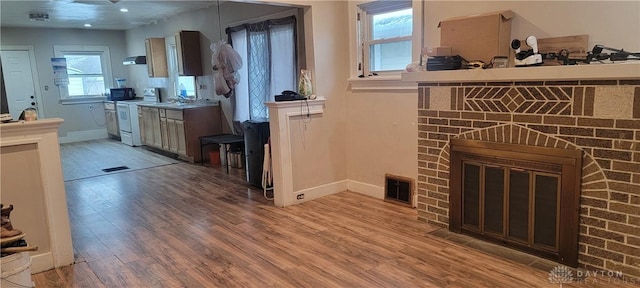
{"x": 256, "y": 134}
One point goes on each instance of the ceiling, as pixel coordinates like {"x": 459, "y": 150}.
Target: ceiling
{"x": 101, "y": 14}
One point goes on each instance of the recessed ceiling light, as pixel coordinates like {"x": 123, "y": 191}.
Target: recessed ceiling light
{"x": 87, "y": 25}
{"x": 124, "y": 10}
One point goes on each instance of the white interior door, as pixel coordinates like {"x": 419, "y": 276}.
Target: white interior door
{"x": 18, "y": 79}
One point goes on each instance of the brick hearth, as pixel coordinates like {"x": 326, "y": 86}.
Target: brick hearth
{"x": 599, "y": 117}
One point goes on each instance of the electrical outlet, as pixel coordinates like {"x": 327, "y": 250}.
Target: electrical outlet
{"x": 300, "y": 196}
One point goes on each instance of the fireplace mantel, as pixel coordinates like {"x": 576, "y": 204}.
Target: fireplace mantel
{"x": 617, "y": 71}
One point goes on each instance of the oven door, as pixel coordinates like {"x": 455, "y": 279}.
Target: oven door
{"x": 124, "y": 117}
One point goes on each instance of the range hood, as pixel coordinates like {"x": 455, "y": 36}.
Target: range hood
{"x": 135, "y": 60}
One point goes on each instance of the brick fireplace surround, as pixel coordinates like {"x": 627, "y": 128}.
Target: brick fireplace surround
{"x": 597, "y": 112}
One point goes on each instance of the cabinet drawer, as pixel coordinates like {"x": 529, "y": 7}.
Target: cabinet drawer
{"x": 109, "y": 106}
{"x": 163, "y": 113}
{"x": 174, "y": 114}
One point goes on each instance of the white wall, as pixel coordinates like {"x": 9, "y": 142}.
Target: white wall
{"x": 78, "y": 118}
{"x": 381, "y": 130}
{"x": 318, "y": 147}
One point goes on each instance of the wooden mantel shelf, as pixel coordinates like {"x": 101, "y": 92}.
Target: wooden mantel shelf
{"x": 596, "y": 71}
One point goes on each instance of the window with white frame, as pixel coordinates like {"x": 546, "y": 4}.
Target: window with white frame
{"x": 268, "y": 51}
{"x": 385, "y": 30}
{"x": 88, "y": 70}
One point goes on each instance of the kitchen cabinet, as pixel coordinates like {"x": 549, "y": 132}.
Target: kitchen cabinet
{"x": 175, "y": 132}
{"x": 177, "y": 129}
{"x": 150, "y": 127}
{"x": 142, "y": 132}
{"x": 189, "y": 54}
{"x": 111, "y": 117}
{"x": 156, "y": 57}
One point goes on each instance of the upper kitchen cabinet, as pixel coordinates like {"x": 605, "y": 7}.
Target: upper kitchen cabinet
{"x": 156, "y": 57}
{"x": 188, "y": 52}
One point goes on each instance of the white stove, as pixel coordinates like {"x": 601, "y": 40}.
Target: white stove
{"x": 128, "y": 117}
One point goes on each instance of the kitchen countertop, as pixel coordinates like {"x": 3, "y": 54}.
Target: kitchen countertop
{"x": 181, "y": 106}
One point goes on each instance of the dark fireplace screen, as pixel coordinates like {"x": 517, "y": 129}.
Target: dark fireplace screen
{"x": 515, "y": 195}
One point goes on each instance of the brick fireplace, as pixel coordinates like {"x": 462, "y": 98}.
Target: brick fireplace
{"x": 598, "y": 114}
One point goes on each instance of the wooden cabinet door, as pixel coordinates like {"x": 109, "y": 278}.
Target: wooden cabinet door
{"x": 156, "y": 57}
{"x": 112, "y": 122}
{"x": 164, "y": 134}
{"x": 188, "y": 52}
{"x": 172, "y": 132}
{"x": 148, "y": 126}
{"x": 175, "y": 131}
{"x": 182, "y": 138}
{"x": 177, "y": 139}
{"x": 141, "y": 123}
{"x": 151, "y": 119}
{"x": 156, "y": 127}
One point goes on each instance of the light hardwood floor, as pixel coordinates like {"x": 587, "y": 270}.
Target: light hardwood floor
{"x": 88, "y": 158}
{"x": 185, "y": 225}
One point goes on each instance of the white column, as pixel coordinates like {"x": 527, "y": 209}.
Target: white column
{"x": 32, "y": 180}
{"x": 280, "y": 114}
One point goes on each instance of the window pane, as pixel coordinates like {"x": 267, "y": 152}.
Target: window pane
{"x": 86, "y": 85}
{"x": 392, "y": 24}
{"x": 188, "y": 83}
{"x": 75, "y": 87}
{"x": 390, "y": 56}
{"x": 258, "y": 74}
{"x": 83, "y": 64}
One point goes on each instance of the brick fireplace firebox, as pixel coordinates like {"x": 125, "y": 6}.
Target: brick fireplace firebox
{"x": 598, "y": 113}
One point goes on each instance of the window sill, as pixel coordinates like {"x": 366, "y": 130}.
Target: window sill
{"x": 381, "y": 83}
{"x": 82, "y": 100}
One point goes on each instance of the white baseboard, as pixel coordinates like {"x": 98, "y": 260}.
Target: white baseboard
{"x": 41, "y": 262}
{"x": 319, "y": 191}
{"x": 336, "y": 187}
{"x": 366, "y": 189}
{"x": 85, "y": 135}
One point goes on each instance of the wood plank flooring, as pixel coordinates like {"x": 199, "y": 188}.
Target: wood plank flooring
{"x": 88, "y": 158}
{"x": 186, "y": 225}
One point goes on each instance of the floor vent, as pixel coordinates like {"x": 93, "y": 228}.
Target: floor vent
{"x": 113, "y": 169}
{"x": 398, "y": 189}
